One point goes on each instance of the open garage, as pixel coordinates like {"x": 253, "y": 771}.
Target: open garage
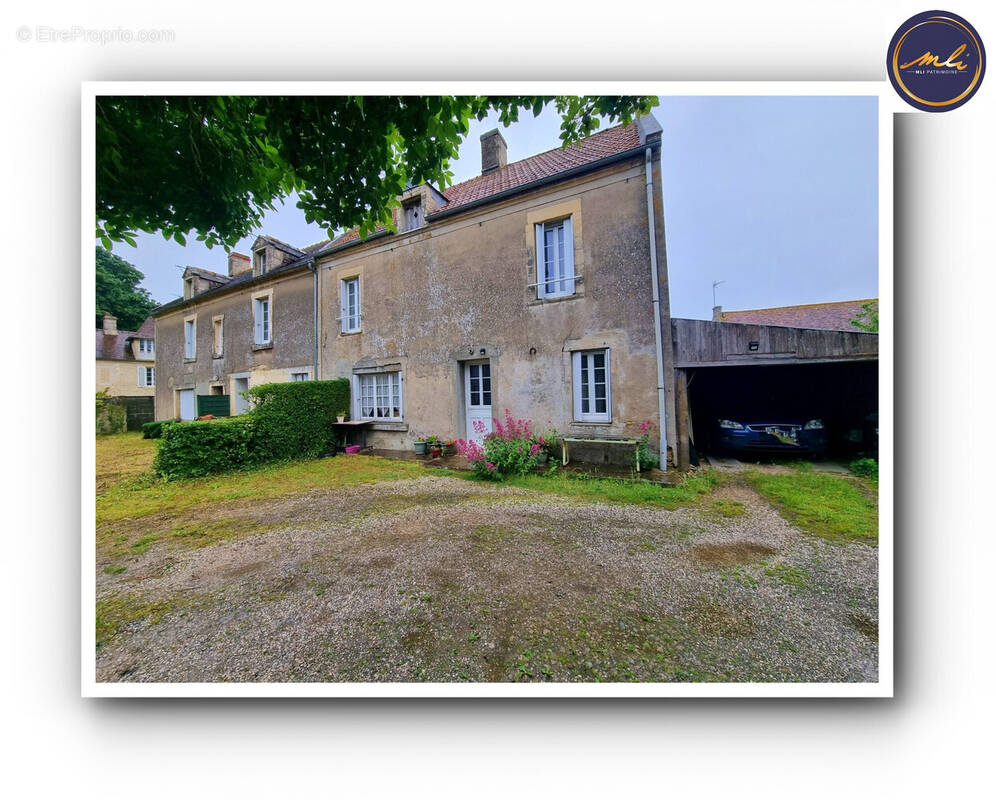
{"x": 772, "y": 375}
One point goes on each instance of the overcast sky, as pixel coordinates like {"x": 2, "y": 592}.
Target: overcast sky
{"x": 775, "y": 196}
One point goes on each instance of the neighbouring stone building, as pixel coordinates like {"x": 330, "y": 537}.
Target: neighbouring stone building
{"x": 126, "y": 367}
{"x": 538, "y": 286}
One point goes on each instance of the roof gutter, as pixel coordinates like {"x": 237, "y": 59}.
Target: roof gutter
{"x": 656, "y": 289}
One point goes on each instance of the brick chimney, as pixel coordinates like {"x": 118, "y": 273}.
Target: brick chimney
{"x": 110, "y": 325}
{"x": 494, "y": 151}
{"x": 717, "y": 313}
{"x": 237, "y": 264}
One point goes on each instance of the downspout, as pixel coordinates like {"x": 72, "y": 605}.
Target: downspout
{"x": 659, "y": 352}
{"x": 314, "y": 271}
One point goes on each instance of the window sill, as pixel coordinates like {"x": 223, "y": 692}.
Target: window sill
{"x": 592, "y": 424}
{"x": 217, "y": 355}
{"x": 265, "y": 346}
{"x": 542, "y": 301}
{"x": 190, "y": 360}
{"x": 388, "y": 426}
{"x": 350, "y": 333}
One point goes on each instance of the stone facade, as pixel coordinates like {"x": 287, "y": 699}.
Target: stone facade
{"x": 456, "y": 287}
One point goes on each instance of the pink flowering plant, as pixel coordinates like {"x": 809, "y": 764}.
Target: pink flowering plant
{"x": 511, "y": 448}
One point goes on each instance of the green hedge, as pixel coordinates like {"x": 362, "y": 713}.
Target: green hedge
{"x": 289, "y": 420}
{"x": 193, "y": 449}
{"x": 153, "y": 430}
{"x": 294, "y": 420}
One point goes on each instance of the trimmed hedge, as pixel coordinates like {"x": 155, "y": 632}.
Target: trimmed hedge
{"x": 289, "y": 420}
{"x": 153, "y": 430}
{"x": 294, "y": 420}
{"x": 194, "y": 449}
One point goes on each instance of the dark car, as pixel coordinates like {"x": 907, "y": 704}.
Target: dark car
{"x": 778, "y": 436}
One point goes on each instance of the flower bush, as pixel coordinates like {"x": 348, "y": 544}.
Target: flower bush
{"x": 510, "y": 449}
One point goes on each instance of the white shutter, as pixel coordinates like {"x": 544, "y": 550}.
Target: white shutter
{"x": 569, "y": 255}
{"x": 257, "y": 321}
{"x": 540, "y": 262}
{"x": 359, "y": 307}
{"x": 576, "y": 358}
{"x": 608, "y": 387}
{"x": 141, "y": 376}
{"x": 343, "y": 307}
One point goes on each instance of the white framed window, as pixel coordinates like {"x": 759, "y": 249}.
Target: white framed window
{"x": 261, "y": 320}
{"x": 413, "y": 215}
{"x": 555, "y": 258}
{"x": 592, "y": 386}
{"x": 190, "y": 338}
{"x": 349, "y": 305}
{"x": 300, "y": 376}
{"x": 146, "y": 376}
{"x": 147, "y": 347}
{"x": 378, "y": 396}
{"x": 261, "y": 261}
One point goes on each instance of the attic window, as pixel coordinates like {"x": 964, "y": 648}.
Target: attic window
{"x": 413, "y": 214}
{"x": 261, "y": 261}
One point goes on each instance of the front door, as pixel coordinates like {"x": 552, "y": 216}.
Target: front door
{"x": 477, "y": 391}
{"x": 186, "y": 404}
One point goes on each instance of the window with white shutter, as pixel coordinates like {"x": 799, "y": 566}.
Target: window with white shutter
{"x": 261, "y": 320}
{"x": 555, "y": 259}
{"x": 349, "y": 306}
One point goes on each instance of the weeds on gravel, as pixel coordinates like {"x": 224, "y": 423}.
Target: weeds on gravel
{"x": 830, "y": 506}
{"x": 115, "y": 613}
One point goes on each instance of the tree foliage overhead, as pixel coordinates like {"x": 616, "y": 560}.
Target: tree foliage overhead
{"x": 118, "y": 291}
{"x": 215, "y": 165}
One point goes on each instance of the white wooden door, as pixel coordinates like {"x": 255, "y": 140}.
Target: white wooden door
{"x": 187, "y": 404}
{"x": 477, "y": 391}
{"x": 241, "y": 403}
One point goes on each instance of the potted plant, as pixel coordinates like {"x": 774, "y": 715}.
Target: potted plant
{"x": 341, "y": 416}
{"x": 435, "y": 446}
{"x": 420, "y": 446}
{"x": 450, "y": 447}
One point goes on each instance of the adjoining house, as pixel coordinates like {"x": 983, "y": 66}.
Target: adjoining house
{"x": 232, "y": 331}
{"x": 539, "y": 287}
{"x": 835, "y": 316}
{"x": 126, "y": 368}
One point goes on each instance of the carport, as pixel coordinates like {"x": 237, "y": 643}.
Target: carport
{"x": 733, "y": 370}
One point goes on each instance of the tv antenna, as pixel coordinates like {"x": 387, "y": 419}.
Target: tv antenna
{"x": 714, "y": 285}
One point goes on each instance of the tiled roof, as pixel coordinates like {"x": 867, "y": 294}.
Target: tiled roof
{"x": 208, "y": 275}
{"x": 829, "y": 316}
{"x": 287, "y": 248}
{"x": 609, "y": 142}
{"x": 115, "y": 348}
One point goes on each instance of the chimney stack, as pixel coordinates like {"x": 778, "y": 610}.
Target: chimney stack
{"x": 494, "y": 151}
{"x": 237, "y": 264}
{"x": 110, "y": 324}
{"x": 717, "y": 313}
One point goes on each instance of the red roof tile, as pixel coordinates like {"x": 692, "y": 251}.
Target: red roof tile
{"x": 603, "y": 144}
{"x": 600, "y": 145}
{"x": 829, "y": 316}
{"x": 115, "y": 348}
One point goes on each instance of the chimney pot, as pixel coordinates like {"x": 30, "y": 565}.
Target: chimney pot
{"x": 494, "y": 151}
{"x": 237, "y": 264}
{"x": 717, "y": 313}
{"x": 110, "y": 325}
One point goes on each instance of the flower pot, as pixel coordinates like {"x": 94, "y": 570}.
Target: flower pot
{"x": 542, "y": 456}
{"x": 420, "y": 448}
{"x": 436, "y": 451}
{"x": 340, "y": 418}
{"x": 353, "y": 449}
{"x": 449, "y": 450}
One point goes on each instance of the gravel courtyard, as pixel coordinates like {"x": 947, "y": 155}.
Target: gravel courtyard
{"x": 438, "y": 578}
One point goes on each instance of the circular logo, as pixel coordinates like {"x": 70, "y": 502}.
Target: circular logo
{"x": 936, "y": 61}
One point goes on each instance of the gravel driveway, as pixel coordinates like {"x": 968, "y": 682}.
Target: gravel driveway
{"x": 443, "y": 579}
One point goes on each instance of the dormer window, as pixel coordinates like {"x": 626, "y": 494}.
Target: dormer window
{"x": 188, "y": 288}
{"x": 261, "y": 262}
{"x": 413, "y": 214}
{"x": 147, "y": 347}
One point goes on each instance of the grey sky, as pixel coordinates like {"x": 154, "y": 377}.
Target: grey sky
{"x": 776, "y": 196}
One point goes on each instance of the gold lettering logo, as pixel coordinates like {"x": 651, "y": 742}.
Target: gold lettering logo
{"x": 928, "y": 59}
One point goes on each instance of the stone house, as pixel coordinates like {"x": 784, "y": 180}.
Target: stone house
{"x": 126, "y": 367}
{"x": 538, "y": 286}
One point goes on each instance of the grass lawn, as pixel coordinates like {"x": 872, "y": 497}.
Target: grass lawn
{"x": 363, "y": 568}
{"x": 831, "y": 506}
